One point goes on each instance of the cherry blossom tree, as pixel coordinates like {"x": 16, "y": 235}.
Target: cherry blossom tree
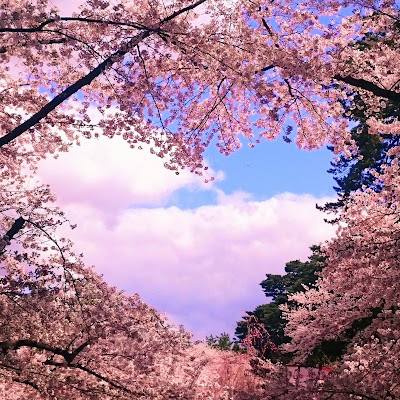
{"x": 64, "y": 333}
{"x": 357, "y": 295}
{"x": 358, "y": 287}
{"x": 173, "y": 77}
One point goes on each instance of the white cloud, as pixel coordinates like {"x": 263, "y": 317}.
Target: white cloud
{"x": 202, "y": 266}
{"x": 108, "y": 174}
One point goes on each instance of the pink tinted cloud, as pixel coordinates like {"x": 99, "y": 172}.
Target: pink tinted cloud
{"x": 66, "y": 7}
{"x": 202, "y": 266}
{"x": 109, "y": 175}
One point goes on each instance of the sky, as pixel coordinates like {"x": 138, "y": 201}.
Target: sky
{"x": 194, "y": 251}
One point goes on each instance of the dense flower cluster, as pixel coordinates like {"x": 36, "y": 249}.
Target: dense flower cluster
{"x": 180, "y": 75}
{"x": 175, "y": 76}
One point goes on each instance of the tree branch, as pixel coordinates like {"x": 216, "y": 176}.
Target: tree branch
{"x": 29, "y": 30}
{"x": 103, "y": 378}
{"x": 29, "y": 383}
{"x": 40, "y": 27}
{"x": 370, "y": 87}
{"x": 9, "y": 345}
{"x": 87, "y": 79}
{"x": 15, "y": 228}
{"x": 68, "y": 356}
{"x": 70, "y": 90}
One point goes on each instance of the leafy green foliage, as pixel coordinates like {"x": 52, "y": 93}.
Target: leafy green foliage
{"x": 222, "y": 342}
{"x": 356, "y": 171}
{"x": 331, "y": 350}
{"x": 299, "y": 275}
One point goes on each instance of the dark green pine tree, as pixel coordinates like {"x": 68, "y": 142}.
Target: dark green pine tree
{"x": 351, "y": 173}
{"x": 356, "y": 171}
{"x": 222, "y": 342}
{"x": 277, "y": 288}
{"x": 299, "y": 276}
